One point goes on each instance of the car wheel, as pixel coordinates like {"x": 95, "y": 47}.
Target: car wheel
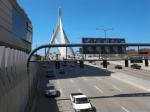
{"x": 94, "y": 109}
{"x": 58, "y": 94}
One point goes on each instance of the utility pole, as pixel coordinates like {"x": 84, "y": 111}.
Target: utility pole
{"x": 105, "y": 33}
{"x": 105, "y": 30}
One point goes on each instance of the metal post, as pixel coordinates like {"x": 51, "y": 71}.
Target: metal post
{"x": 146, "y": 62}
{"x": 45, "y": 53}
{"x": 74, "y": 56}
{"x": 56, "y": 56}
{"x": 82, "y": 54}
{"x": 126, "y": 63}
{"x": 66, "y": 53}
{"x": 138, "y": 50}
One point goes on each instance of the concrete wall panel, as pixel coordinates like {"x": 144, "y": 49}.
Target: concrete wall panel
{"x": 6, "y": 6}
{"x": 15, "y": 85}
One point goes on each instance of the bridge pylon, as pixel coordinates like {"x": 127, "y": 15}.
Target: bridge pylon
{"x": 63, "y": 38}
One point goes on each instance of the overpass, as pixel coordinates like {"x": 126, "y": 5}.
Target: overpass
{"x": 84, "y": 45}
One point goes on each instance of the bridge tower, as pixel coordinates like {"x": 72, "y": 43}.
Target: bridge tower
{"x": 63, "y": 38}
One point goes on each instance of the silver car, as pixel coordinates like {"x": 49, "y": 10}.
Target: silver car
{"x": 51, "y": 90}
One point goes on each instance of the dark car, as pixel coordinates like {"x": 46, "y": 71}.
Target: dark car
{"x": 118, "y": 67}
{"x": 136, "y": 66}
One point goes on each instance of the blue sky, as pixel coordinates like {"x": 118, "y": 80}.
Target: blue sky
{"x": 130, "y": 19}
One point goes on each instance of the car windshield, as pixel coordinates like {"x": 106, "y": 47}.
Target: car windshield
{"x": 51, "y": 87}
{"x": 82, "y": 100}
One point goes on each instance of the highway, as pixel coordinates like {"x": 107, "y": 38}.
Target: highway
{"x": 106, "y": 93}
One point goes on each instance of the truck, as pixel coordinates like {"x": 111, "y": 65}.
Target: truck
{"x": 81, "y": 103}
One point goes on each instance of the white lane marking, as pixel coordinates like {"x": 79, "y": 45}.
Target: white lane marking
{"x": 126, "y": 110}
{"x": 79, "y": 90}
{"x": 98, "y": 89}
{"x": 116, "y": 88}
{"x": 61, "y": 92}
{"x": 112, "y": 85}
{"x": 72, "y": 80}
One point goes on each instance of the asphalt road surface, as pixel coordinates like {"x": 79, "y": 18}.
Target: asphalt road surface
{"x": 106, "y": 93}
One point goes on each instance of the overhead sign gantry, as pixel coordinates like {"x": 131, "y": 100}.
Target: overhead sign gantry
{"x": 84, "y": 45}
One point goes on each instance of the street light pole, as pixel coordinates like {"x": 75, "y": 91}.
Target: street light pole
{"x": 105, "y": 30}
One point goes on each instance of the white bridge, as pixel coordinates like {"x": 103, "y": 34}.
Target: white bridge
{"x": 63, "y": 39}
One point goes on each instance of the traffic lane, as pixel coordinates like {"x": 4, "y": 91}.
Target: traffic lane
{"x": 143, "y": 74}
{"x": 135, "y": 102}
{"x": 97, "y": 98}
{"x": 44, "y": 103}
{"x": 96, "y": 94}
{"x": 99, "y": 74}
{"x": 130, "y": 101}
{"x": 90, "y": 91}
{"x": 106, "y": 87}
{"x": 83, "y": 71}
{"x": 137, "y": 73}
{"x": 142, "y": 71}
{"x": 123, "y": 64}
{"x": 112, "y": 85}
{"x": 127, "y": 95}
{"x": 67, "y": 86}
{"x": 118, "y": 108}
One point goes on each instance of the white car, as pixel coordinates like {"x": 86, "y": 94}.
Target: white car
{"x": 81, "y": 103}
{"x": 51, "y": 90}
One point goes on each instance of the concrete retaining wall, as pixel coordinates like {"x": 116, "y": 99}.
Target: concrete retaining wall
{"x": 16, "y": 85}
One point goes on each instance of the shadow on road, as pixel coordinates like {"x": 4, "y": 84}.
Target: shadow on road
{"x": 124, "y": 95}
{"x": 87, "y": 71}
{"x": 73, "y": 70}
{"x": 43, "y": 103}
{"x": 116, "y": 96}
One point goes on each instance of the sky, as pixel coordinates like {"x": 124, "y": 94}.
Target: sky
{"x": 130, "y": 19}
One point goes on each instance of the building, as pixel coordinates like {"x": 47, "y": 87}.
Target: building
{"x": 17, "y": 86}
{"x": 144, "y": 52}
